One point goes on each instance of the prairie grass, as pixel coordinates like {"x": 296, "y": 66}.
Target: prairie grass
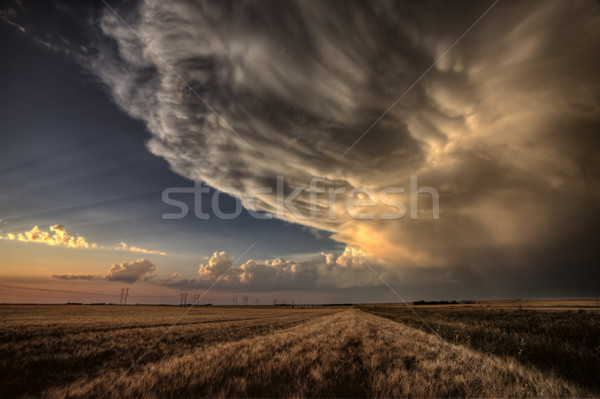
{"x": 251, "y": 353}
{"x": 41, "y": 346}
{"x": 565, "y": 343}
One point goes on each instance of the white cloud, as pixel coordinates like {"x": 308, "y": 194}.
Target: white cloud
{"x": 325, "y": 272}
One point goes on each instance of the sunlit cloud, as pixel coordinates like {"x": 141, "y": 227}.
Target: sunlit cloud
{"x": 323, "y": 272}
{"x": 58, "y": 236}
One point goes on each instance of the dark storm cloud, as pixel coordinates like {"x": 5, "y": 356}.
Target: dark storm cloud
{"x": 504, "y": 126}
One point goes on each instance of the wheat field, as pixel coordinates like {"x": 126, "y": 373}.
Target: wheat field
{"x": 94, "y": 351}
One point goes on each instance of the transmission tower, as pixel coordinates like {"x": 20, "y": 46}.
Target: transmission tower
{"x": 245, "y": 301}
{"x": 183, "y": 299}
{"x": 124, "y": 293}
{"x": 234, "y": 300}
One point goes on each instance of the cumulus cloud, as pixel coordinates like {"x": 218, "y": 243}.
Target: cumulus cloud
{"x": 58, "y": 236}
{"x": 77, "y": 276}
{"x": 217, "y": 264}
{"x": 130, "y": 272}
{"x": 325, "y": 272}
{"x": 504, "y": 126}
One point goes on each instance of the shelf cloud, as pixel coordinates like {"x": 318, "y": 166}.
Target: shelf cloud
{"x": 504, "y": 125}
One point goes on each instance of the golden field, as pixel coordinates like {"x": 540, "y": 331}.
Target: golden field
{"x": 373, "y": 351}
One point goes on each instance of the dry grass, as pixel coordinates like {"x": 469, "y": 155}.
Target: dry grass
{"x": 258, "y": 353}
{"x": 43, "y": 346}
{"x": 561, "y": 341}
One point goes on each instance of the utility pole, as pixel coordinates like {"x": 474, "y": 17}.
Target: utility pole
{"x": 183, "y": 299}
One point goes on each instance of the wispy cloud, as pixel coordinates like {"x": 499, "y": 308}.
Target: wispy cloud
{"x": 132, "y": 248}
{"x": 77, "y": 276}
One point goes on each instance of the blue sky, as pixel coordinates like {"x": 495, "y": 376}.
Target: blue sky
{"x": 71, "y": 156}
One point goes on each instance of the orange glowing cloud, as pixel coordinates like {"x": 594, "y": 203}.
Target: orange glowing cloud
{"x": 58, "y": 237}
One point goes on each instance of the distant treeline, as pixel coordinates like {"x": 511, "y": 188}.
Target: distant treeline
{"x": 337, "y": 304}
{"x": 442, "y": 302}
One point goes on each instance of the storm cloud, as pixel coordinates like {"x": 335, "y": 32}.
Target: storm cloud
{"x": 504, "y": 125}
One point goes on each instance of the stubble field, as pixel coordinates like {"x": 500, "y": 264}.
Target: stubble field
{"x": 94, "y": 351}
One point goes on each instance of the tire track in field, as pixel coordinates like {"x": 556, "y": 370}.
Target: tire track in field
{"x": 347, "y": 354}
{"x": 59, "y": 330}
{"x": 68, "y": 357}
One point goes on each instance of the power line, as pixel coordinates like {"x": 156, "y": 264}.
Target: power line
{"x": 57, "y": 291}
{"x": 16, "y": 287}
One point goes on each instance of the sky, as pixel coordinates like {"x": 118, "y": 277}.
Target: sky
{"x": 464, "y": 135}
